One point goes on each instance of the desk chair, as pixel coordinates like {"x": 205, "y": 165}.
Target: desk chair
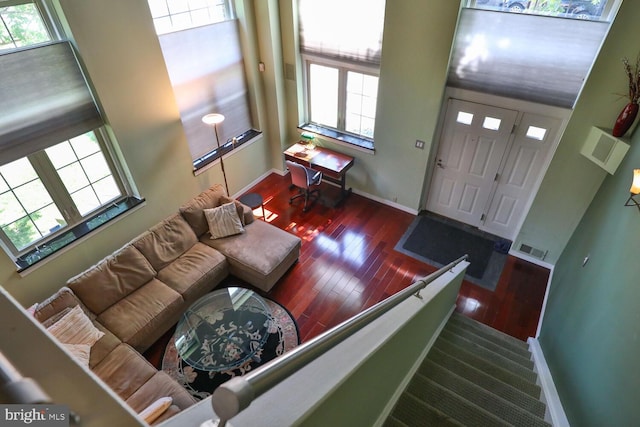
{"x": 304, "y": 178}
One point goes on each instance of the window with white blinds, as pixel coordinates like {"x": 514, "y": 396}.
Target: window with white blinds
{"x": 535, "y": 58}
{"x": 341, "y": 46}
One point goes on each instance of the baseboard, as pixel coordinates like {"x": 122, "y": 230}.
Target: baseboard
{"x": 543, "y": 309}
{"x": 255, "y": 182}
{"x": 405, "y": 382}
{"x": 555, "y": 412}
{"x": 358, "y": 192}
{"x": 386, "y": 202}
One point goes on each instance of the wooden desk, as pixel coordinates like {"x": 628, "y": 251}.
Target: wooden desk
{"x": 333, "y": 165}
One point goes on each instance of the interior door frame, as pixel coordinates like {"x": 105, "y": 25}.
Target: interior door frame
{"x": 563, "y": 114}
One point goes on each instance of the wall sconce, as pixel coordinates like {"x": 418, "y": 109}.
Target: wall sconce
{"x": 214, "y": 120}
{"x": 634, "y": 190}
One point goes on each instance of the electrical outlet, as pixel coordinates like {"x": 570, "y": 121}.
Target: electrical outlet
{"x": 419, "y": 144}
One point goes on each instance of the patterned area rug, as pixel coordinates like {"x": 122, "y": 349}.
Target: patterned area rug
{"x": 283, "y": 336}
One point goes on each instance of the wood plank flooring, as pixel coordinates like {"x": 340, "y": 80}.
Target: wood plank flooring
{"x": 347, "y": 263}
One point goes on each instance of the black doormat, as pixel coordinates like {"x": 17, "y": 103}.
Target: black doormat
{"x": 283, "y": 336}
{"x": 438, "y": 241}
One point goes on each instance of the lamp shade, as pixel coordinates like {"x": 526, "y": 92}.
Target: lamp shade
{"x": 635, "y": 185}
{"x": 213, "y": 119}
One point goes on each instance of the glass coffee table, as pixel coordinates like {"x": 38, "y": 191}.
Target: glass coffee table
{"x": 223, "y": 329}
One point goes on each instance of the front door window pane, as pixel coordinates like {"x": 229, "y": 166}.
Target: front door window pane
{"x": 323, "y": 82}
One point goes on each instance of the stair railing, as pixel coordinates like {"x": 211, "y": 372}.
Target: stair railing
{"x": 232, "y": 397}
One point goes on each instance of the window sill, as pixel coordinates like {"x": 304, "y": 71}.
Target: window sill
{"x": 63, "y": 241}
{"x": 201, "y": 163}
{"x": 340, "y": 137}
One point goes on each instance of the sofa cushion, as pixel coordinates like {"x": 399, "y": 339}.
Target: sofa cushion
{"x": 223, "y": 221}
{"x": 144, "y": 315}
{"x": 196, "y": 272}
{"x": 124, "y": 370}
{"x": 166, "y": 241}
{"x": 112, "y": 279}
{"x": 103, "y": 346}
{"x": 192, "y": 211}
{"x": 260, "y": 255}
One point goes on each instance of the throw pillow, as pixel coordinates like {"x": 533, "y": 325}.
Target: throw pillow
{"x": 75, "y": 328}
{"x": 157, "y": 408}
{"x": 80, "y": 352}
{"x": 223, "y": 221}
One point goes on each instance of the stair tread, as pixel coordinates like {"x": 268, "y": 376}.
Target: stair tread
{"x": 488, "y": 367}
{"x": 491, "y": 332}
{"x": 490, "y": 356}
{"x": 411, "y": 411}
{"x": 480, "y": 396}
{"x": 521, "y": 357}
{"x": 451, "y": 404}
{"x": 494, "y": 385}
{"x": 392, "y": 421}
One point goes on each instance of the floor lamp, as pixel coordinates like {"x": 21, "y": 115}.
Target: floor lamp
{"x": 213, "y": 120}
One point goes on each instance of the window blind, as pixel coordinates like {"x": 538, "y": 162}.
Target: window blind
{"x": 535, "y": 58}
{"x": 44, "y": 100}
{"x": 206, "y": 69}
{"x": 342, "y": 29}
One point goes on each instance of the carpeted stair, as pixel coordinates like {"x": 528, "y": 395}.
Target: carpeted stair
{"x": 473, "y": 376}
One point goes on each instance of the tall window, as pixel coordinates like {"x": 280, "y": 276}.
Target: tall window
{"x": 57, "y": 179}
{"x": 200, "y": 42}
{"x": 341, "y": 44}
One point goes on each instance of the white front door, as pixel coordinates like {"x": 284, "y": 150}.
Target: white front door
{"x": 474, "y": 141}
{"x": 487, "y": 167}
{"x": 528, "y": 151}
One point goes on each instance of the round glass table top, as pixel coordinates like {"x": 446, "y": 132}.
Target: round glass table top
{"x": 223, "y": 329}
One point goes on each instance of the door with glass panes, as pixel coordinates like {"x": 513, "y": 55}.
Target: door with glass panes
{"x": 487, "y": 167}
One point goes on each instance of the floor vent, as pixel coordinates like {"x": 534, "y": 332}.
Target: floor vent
{"x": 534, "y": 252}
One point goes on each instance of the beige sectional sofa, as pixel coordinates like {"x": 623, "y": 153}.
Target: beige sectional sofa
{"x": 140, "y": 291}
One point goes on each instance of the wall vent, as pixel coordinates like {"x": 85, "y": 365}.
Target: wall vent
{"x": 534, "y": 252}
{"x": 604, "y": 149}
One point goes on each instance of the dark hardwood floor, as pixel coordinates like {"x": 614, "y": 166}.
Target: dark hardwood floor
{"x": 347, "y": 263}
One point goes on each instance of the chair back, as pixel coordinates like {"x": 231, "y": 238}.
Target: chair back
{"x": 298, "y": 174}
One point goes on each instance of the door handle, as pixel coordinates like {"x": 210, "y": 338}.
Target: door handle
{"x": 439, "y": 164}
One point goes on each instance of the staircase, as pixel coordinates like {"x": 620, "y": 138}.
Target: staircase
{"x": 473, "y": 376}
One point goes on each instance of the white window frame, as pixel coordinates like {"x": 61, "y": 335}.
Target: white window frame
{"x": 50, "y": 178}
{"x": 343, "y": 68}
{"x": 46, "y": 171}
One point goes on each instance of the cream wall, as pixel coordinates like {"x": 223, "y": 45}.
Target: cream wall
{"x": 120, "y": 50}
{"x": 417, "y": 40}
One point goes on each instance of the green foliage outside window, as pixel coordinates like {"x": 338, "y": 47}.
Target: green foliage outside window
{"x": 21, "y": 25}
